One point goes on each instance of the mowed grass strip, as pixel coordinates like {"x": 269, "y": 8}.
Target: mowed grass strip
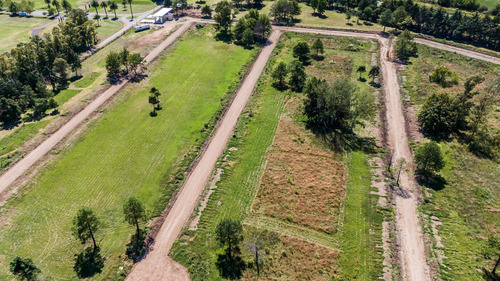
{"x": 288, "y": 257}
{"x": 126, "y": 153}
{"x": 239, "y": 182}
{"x": 16, "y": 30}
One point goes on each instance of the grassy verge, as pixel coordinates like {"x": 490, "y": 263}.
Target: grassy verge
{"x": 16, "y": 30}
{"x": 349, "y": 253}
{"x": 125, "y": 153}
{"x": 466, "y": 204}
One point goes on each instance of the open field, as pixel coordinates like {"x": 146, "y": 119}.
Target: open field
{"x": 294, "y": 248}
{"x": 104, "y": 30}
{"x": 466, "y": 205}
{"x": 92, "y": 81}
{"x": 417, "y": 73}
{"x": 332, "y": 19}
{"x": 126, "y": 152}
{"x": 16, "y": 30}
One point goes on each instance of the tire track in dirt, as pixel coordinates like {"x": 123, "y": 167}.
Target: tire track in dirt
{"x": 157, "y": 265}
{"x": 22, "y": 167}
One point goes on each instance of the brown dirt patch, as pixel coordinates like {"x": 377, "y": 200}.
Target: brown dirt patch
{"x": 302, "y": 183}
{"x": 295, "y": 259}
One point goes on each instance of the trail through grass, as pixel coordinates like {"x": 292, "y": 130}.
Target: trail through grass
{"x": 125, "y": 153}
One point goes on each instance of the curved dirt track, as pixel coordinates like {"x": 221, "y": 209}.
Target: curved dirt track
{"x": 21, "y": 167}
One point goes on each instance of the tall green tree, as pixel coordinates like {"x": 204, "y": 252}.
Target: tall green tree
{"x": 374, "y": 72}
{"x": 57, "y": 5}
{"x": 280, "y": 73}
{"x": 301, "y": 51}
{"x": 85, "y": 225}
{"x": 314, "y": 5}
{"x": 66, "y": 5}
{"x": 133, "y": 209}
{"x": 206, "y": 11}
{"x": 361, "y": 69}
{"x": 429, "y": 158}
{"x": 317, "y": 47}
{"x": 113, "y": 7}
{"x": 95, "y": 5}
{"x": 297, "y": 76}
{"x": 223, "y": 15}
{"x": 230, "y": 264}
{"x": 386, "y": 18}
{"x": 24, "y": 268}
{"x": 104, "y": 5}
{"x": 405, "y": 47}
{"x": 321, "y": 7}
{"x": 130, "y": 5}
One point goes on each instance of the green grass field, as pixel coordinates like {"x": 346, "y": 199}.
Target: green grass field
{"x": 468, "y": 208}
{"x": 16, "y": 30}
{"x": 125, "y": 153}
{"x": 470, "y": 199}
{"x": 104, "y": 30}
{"x": 244, "y": 166}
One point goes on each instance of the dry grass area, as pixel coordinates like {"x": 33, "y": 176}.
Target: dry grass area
{"x": 303, "y": 182}
{"x": 295, "y": 259}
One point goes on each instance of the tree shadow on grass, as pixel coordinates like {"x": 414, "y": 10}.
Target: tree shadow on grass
{"x": 136, "y": 248}
{"x": 431, "y": 180}
{"x": 89, "y": 262}
{"x": 341, "y": 140}
{"x": 224, "y": 36}
{"x": 488, "y": 276}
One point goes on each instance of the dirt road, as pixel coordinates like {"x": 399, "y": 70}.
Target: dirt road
{"x": 21, "y": 167}
{"x": 464, "y": 52}
{"x": 156, "y": 265}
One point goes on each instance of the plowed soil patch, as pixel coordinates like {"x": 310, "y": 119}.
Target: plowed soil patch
{"x": 302, "y": 183}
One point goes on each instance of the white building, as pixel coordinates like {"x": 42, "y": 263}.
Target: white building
{"x": 163, "y": 15}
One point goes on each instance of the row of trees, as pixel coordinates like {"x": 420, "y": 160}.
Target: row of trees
{"x": 54, "y": 6}
{"x": 26, "y": 6}
{"x": 25, "y": 71}
{"x": 123, "y": 63}
{"x": 86, "y": 225}
{"x": 283, "y": 11}
{"x": 105, "y": 5}
{"x": 478, "y": 29}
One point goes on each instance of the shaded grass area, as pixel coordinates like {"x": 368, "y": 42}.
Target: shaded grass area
{"x": 87, "y": 80}
{"x": 284, "y": 257}
{"x": 65, "y": 95}
{"x": 469, "y": 207}
{"x": 24, "y": 133}
{"x": 16, "y": 30}
{"x": 125, "y": 153}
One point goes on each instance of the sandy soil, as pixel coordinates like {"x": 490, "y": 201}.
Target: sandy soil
{"x": 23, "y": 165}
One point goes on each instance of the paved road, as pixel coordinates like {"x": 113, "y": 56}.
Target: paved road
{"x": 21, "y": 167}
